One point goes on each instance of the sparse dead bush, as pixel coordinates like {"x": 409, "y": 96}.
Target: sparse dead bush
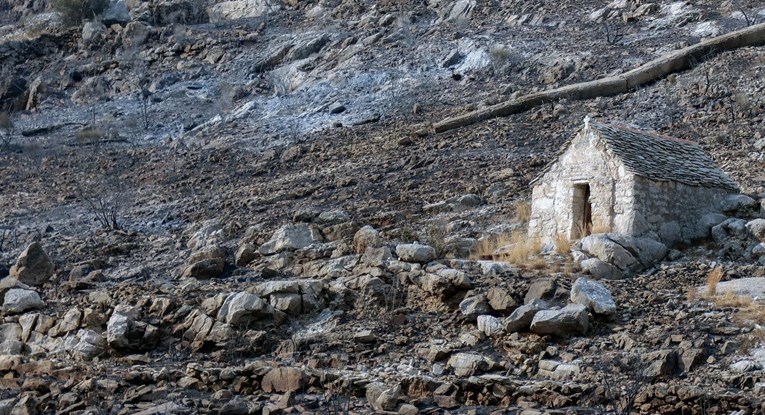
{"x": 106, "y": 196}
{"x": 713, "y": 278}
{"x": 75, "y": 12}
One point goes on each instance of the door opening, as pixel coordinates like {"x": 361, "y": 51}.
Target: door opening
{"x": 582, "y": 211}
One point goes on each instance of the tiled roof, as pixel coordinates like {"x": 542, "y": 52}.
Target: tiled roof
{"x": 663, "y": 158}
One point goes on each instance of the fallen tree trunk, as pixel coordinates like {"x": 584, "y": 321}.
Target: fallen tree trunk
{"x": 613, "y": 85}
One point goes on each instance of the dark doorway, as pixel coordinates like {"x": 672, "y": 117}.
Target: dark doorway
{"x": 582, "y": 211}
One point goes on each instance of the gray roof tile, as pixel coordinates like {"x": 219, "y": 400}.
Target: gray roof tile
{"x": 658, "y": 157}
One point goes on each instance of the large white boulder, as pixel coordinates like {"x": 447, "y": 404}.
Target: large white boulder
{"x": 593, "y": 295}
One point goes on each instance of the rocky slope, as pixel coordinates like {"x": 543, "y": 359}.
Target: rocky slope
{"x": 241, "y": 149}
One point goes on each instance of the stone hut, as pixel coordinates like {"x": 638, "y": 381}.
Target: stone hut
{"x": 613, "y": 178}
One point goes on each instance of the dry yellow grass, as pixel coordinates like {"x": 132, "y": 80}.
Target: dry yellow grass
{"x": 713, "y": 278}
{"x": 562, "y": 244}
{"x": 514, "y": 248}
{"x": 522, "y": 211}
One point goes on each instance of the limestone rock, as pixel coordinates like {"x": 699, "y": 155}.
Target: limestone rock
{"x": 19, "y": 300}
{"x": 757, "y": 228}
{"x": 284, "y": 379}
{"x": 628, "y": 254}
{"x": 541, "y": 289}
{"x": 243, "y": 308}
{"x": 500, "y": 299}
{"x": 245, "y": 254}
{"x": 93, "y": 32}
{"x": 737, "y": 203}
{"x": 33, "y": 266}
{"x": 126, "y": 333}
{"x": 87, "y": 344}
{"x": 366, "y": 237}
{"x": 241, "y": 9}
{"x": 205, "y": 262}
{"x": 415, "y": 253}
{"x": 489, "y": 325}
{"x": 522, "y": 317}
{"x": 474, "y": 305}
{"x": 569, "y": 320}
{"x": 593, "y": 295}
{"x": 116, "y": 13}
{"x": 469, "y": 364}
{"x": 291, "y": 238}
{"x": 599, "y": 269}
{"x": 135, "y": 34}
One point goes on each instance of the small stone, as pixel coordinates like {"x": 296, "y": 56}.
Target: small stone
{"x": 336, "y": 108}
{"x": 364, "y": 336}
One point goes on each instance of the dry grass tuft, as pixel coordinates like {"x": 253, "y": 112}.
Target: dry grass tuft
{"x": 729, "y": 299}
{"x": 522, "y": 211}
{"x": 514, "y": 248}
{"x": 692, "y": 294}
{"x": 713, "y": 278}
{"x": 562, "y": 244}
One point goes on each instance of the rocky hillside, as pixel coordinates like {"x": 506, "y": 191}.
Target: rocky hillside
{"x": 240, "y": 207}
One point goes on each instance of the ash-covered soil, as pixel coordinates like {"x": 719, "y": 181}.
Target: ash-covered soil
{"x": 202, "y": 140}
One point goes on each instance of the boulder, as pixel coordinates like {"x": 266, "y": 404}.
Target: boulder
{"x": 124, "y": 332}
{"x": 474, "y": 305}
{"x": 599, "y": 269}
{"x": 33, "y": 266}
{"x": 500, "y": 299}
{"x": 291, "y": 238}
{"x": 93, "y": 32}
{"x": 366, "y": 237}
{"x": 569, "y": 320}
{"x": 135, "y": 34}
{"x": 415, "y": 253}
{"x": 241, "y": 9}
{"x": 284, "y": 379}
{"x": 116, "y": 13}
{"x": 489, "y": 325}
{"x": 541, "y": 289}
{"x": 381, "y": 397}
{"x": 18, "y": 300}
{"x": 522, "y": 317}
{"x": 469, "y": 364}
{"x": 243, "y": 308}
{"x": 593, "y": 295}
{"x": 738, "y": 203}
{"x": 206, "y": 262}
{"x": 757, "y": 228}
{"x": 245, "y": 254}
{"x": 629, "y": 254}
{"x": 86, "y": 344}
